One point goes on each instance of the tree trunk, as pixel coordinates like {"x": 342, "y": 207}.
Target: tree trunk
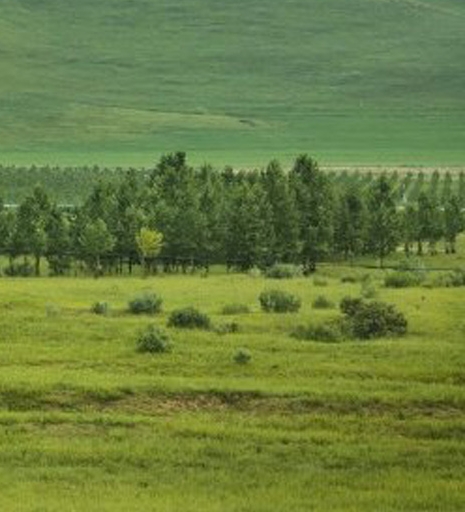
{"x": 37, "y": 265}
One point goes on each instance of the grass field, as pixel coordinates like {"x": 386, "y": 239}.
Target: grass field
{"x": 87, "y": 423}
{"x": 118, "y": 82}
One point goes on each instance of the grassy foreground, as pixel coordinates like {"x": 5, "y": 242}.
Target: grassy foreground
{"x": 117, "y": 82}
{"x": 88, "y": 424}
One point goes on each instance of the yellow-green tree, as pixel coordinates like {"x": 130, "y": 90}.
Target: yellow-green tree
{"x": 149, "y": 243}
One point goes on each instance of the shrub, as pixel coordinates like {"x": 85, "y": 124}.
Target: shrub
{"x": 329, "y": 332}
{"x": 23, "y": 269}
{"x": 100, "y": 308}
{"x": 153, "y": 340}
{"x": 235, "y": 309}
{"x": 377, "y": 319}
{"x": 349, "y": 279}
{"x": 402, "y": 279}
{"x": 58, "y": 265}
{"x": 227, "y": 328}
{"x": 277, "y": 301}
{"x": 189, "y": 318}
{"x": 411, "y": 265}
{"x": 319, "y": 281}
{"x": 368, "y": 289}
{"x": 283, "y": 271}
{"x": 350, "y": 305}
{"x": 254, "y": 272}
{"x": 321, "y": 302}
{"x": 242, "y": 356}
{"x": 149, "y": 303}
{"x": 451, "y": 279}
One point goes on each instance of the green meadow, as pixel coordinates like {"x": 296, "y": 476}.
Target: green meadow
{"x": 89, "y": 424}
{"x": 118, "y": 82}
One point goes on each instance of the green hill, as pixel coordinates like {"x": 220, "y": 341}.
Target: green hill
{"x": 119, "y": 81}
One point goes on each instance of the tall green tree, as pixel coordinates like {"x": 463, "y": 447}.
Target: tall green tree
{"x": 383, "y": 221}
{"x": 429, "y": 223}
{"x": 409, "y": 227}
{"x": 58, "y": 241}
{"x": 130, "y": 218}
{"x": 453, "y": 223}
{"x": 175, "y": 210}
{"x": 149, "y": 243}
{"x": 350, "y": 224}
{"x": 249, "y": 236}
{"x": 213, "y": 202}
{"x": 283, "y": 214}
{"x": 96, "y": 242}
{"x": 29, "y": 237}
{"x": 315, "y": 202}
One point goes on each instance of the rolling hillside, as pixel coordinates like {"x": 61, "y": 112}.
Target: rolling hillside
{"x": 119, "y": 81}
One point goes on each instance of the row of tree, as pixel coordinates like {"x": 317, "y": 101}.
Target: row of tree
{"x": 72, "y": 185}
{"x": 182, "y": 218}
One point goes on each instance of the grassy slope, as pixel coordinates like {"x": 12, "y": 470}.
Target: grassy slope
{"x": 117, "y": 81}
{"x": 88, "y": 424}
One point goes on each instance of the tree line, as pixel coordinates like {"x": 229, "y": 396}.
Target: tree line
{"x": 178, "y": 218}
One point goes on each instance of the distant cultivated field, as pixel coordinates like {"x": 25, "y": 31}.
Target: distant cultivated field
{"x": 117, "y": 82}
{"x": 88, "y": 424}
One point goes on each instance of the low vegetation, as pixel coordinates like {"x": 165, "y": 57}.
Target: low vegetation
{"x": 235, "y": 309}
{"x": 329, "y": 332}
{"x": 100, "y": 308}
{"x": 242, "y": 356}
{"x": 403, "y": 279}
{"x": 153, "y": 340}
{"x": 322, "y": 302}
{"x": 278, "y": 301}
{"x": 189, "y": 318}
{"x": 372, "y": 319}
{"x": 145, "y": 303}
{"x": 283, "y": 271}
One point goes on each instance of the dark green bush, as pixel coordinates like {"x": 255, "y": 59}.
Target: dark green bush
{"x": 402, "y": 279}
{"x": 148, "y": 303}
{"x": 351, "y": 305}
{"x": 329, "y": 332}
{"x": 189, "y": 318}
{"x": 321, "y": 302}
{"x": 58, "y": 265}
{"x": 277, "y": 301}
{"x": 411, "y": 265}
{"x": 242, "y": 356}
{"x": 372, "y": 319}
{"x": 235, "y": 309}
{"x": 453, "y": 279}
{"x": 283, "y": 271}
{"x": 100, "y": 308}
{"x": 349, "y": 279}
{"x": 377, "y": 319}
{"x": 153, "y": 340}
{"x": 23, "y": 269}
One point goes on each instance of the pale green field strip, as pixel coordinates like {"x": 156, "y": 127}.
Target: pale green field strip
{"x": 119, "y": 83}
